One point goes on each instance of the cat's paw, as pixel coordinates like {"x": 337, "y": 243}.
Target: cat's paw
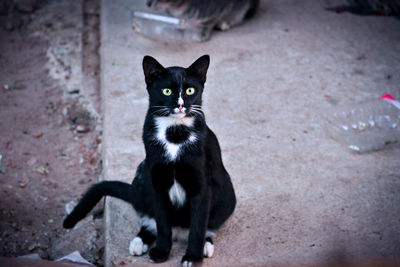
{"x": 191, "y": 261}
{"x": 137, "y": 247}
{"x": 158, "y": 255}
{"x": 223, "y": 26}
{"x": 208, "y": 249}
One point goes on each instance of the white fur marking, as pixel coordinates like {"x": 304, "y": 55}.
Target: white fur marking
{"x": 149, "y": 223}
{"x": 192, "y": 138}
{"x": 178, "y": 115}
{"x": 162, "y": 124}
{"x": 210, "y": 233}
{"x": 172, "y": 150}
{"x": 208, "y": 250}
{"x": 187, "y": 264}
{"x": 136, "y": 247}
{"x": 165, "y": 122}
{"x": 180, "y": 100}
{"x": 177, "y": 194}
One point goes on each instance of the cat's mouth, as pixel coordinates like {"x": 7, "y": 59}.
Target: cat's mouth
{"x": 179, "y": 112}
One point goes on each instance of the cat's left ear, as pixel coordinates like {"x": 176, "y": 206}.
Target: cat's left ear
{"x": 199, "y": 68}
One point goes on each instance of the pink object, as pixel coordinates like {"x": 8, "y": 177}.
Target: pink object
{"x": 389, "y": 98}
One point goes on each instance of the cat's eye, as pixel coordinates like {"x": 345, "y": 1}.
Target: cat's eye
{"x": 190, "y": 91}
{"x": 167, "y": 91}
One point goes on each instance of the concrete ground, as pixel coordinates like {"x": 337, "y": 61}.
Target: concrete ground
{"x": 303, "y": 198}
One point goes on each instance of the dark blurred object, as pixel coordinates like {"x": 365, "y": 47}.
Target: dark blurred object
{"x": 5, "y": 6}
{"x": 26, "y": 6}
{"x": 370, "y": 7}
{"x": 191, "y": 20}
{"x": 17, "y": 12}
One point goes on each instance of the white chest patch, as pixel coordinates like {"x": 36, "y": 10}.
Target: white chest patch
{"x": 162, "y": 123}
{"x": 177, "y": 194}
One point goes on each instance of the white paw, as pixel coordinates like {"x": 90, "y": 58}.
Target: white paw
{"x": 224, "y": 26}
{"x": 187, "y": 264}
{"x": 208, "y": 250}
{"x": 136, "y": 247}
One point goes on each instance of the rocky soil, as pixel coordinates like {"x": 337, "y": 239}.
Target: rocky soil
{"x": 50, "y": 137}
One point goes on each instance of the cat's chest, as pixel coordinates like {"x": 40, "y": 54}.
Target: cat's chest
{"x": 174, "y": 134}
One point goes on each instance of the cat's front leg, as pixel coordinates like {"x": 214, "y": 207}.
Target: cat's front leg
{"x": 199, "y": 210}
{"x": 161, "y": 178}
{"x": 160, "y": 252}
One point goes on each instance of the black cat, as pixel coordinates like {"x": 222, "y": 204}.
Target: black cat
{"x": 197, "y": 18}
{"x": 182, "y": 183}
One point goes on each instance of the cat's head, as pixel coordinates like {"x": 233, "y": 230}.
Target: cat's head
{"x": 175, "y": 91}
{"x": 159, "y": 4}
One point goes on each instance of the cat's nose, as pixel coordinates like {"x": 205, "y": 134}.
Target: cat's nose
{"x": 180, "y": 108}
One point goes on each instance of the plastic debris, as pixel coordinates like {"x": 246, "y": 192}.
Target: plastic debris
{"x": 43, "y": 170}
{"x": 157, "y": 27}
{"x": 75, "y": 257}
{"x": 366, "y": 127}
{"x": 31, "y": 256}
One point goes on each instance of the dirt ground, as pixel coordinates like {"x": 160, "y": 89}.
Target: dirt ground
{"x": 49, "y": 142}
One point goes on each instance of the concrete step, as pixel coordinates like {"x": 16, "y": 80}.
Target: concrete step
{"x": 20, "y": 262}
{"x": 302, "y": 197}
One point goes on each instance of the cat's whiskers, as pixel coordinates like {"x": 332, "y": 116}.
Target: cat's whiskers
{"x": 162, "y": 111}
{"x": 196, "y": 110}
{"x": 158, "y": 107}
{"x": 165, "y": 112}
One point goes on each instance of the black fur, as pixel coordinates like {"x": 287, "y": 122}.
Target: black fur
{"x": 177, "y": 134}
{"x": 198, "y": 168}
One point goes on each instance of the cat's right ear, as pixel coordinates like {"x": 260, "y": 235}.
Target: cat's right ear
{"x": 199, "y": 68}
{"x": 152, "y": 69}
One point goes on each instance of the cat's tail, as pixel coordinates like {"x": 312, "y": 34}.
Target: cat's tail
{"x": 93, "y": 195}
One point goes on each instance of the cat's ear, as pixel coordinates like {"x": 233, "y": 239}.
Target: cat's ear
{"x": 152, "y": 69}
{"x": 199, "y": 68}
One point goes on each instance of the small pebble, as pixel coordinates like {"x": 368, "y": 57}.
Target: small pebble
{"x": 43, "y": 170}
{"x": 82, "y": 129}
{"x": 33, "y": 246}
{"x": 31, "y": 162}
{"x": 38, "y": 134}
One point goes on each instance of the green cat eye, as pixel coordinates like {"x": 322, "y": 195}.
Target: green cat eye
{"x": 190, "y": 91}
{"x": 167, "y": 91}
